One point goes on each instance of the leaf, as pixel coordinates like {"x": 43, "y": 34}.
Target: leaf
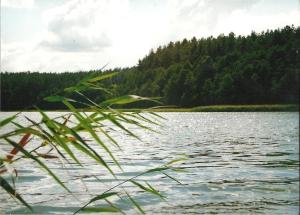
{"x": 56, "y": 136}
{"x": 76, "y": 88}
{"x": 175, "y": 161}
{"x": 46, "y": 156}
{"x": 23, "y": 130}
{"x": 178, "y": 169}
{"x": 159, "y": 169}
{"x": 22, "y": 143}
{"x": 130, "y": 121}
{"x": 154, "y": 191}
{"x": 7, "y": 120}
{"x": 97, "y": 87}
{"x": 27, "y": 154}
{"x": 6, "y": 186}
{"x": 101, "y": 77}
{"x": 139, "y": 116}
{"x": 149, "y": 190}
{"x": 101, "y": 209}
{"x": 156, "y": 115}
{"x": 103, "y": 196}
{"x": 54, "y": 98}
{"x": 135, "y": 204}
{"x": 58, "y": 99}
{"x": 87, "y": 126}
{"x": 85, "y": 148}
{"x": 126, "y": 100}
{"x": 116, "y": 122}
{"x": 110, "y": 138}
{"x": 174, "y": 179}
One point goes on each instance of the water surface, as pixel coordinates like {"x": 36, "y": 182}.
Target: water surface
{"x": 238, "y": 163}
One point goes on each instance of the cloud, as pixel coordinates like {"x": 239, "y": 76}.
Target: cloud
{"x": 17, "y": 3}
{"x": 243, "y": 23}
{"x": 75, "y": 26}
{"x": 109, "y": 31}
{"x": 87, "y": 34}
{"x": 14, "y": 56}
{"x": 76, "y": 41}
{"x": 202, "y": 18}
{"x": 18, "y": 57}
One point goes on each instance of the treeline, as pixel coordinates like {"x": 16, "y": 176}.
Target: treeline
{"x": 24, "y": 90}
{"x": 262, "y": 68}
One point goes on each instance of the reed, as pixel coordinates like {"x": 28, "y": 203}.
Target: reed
{"x": 66, "y": 135}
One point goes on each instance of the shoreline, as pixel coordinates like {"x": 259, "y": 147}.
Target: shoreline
{"x": 229, "y": 108}
{"x": 208, "y": 108}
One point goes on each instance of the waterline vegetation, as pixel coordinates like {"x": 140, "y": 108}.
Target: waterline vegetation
{"x": 209, "y": 108}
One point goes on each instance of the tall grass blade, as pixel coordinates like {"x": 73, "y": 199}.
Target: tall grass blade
{"x": 87, "y": 126}
{"x": 135, "y": 203}
{"x": 149, "y": 190}
{"x": 44, "y": 166}
{"x": 126, "y": 100}
{"x": 99, "y": 197}
{"x": 6, "y": 186}
{"x": 102, "y": 196}
{"x": 102, "y": 77}
{"x": 22, "y": 143}
{"x": 56, "y": 134}
{"x": 7, "y": 120}
{"x": 174, "y": 179}
{"x": 101, "y": 210}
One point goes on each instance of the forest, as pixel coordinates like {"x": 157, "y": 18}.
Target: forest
{"x": 261, "y": 68}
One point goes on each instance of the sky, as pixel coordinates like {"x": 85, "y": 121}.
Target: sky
{"x": 82, "y": 35}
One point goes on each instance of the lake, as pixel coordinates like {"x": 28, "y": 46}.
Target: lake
{"x": 238, "y": 163}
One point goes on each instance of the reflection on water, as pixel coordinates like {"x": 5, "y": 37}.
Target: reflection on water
{"x": 238, "y": 163}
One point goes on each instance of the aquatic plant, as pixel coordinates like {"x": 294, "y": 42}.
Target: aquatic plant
{"x": 64, "y": 136}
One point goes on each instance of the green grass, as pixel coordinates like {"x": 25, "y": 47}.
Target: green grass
{"x": 211, "y": 108}
{"x": 247, "y": 108}
{"x": 230, "y": 108}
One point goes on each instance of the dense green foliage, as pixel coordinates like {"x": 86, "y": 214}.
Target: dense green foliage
{"x": 257, "y": 69}
{"x": 24, "y": 90}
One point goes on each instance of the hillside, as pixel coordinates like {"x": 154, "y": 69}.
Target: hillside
{"x": 261, "y": 68}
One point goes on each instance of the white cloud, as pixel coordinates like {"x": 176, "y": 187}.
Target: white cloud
{"x": 80, "y": 25}
{"x": 17, "y": 3}
{"x": 243, "y": 23}
{"x": 21, "y": 57}
{"x": 87, "y": 34}
{"x": 109, "y": 31}
{"x": 202, "y": 18}
{"x": 13, "y": 56}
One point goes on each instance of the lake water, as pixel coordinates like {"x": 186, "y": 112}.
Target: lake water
{"x": 238, "y": 163}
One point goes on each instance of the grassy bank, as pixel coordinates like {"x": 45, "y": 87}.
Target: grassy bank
{"x": 246, "y": 108}
{"x": 230, "y": 108}
{"x": 211, "y": 108}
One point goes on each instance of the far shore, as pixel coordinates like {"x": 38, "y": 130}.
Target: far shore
{"x": 229, "y": 108}
{"x": 210, "y": 108}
